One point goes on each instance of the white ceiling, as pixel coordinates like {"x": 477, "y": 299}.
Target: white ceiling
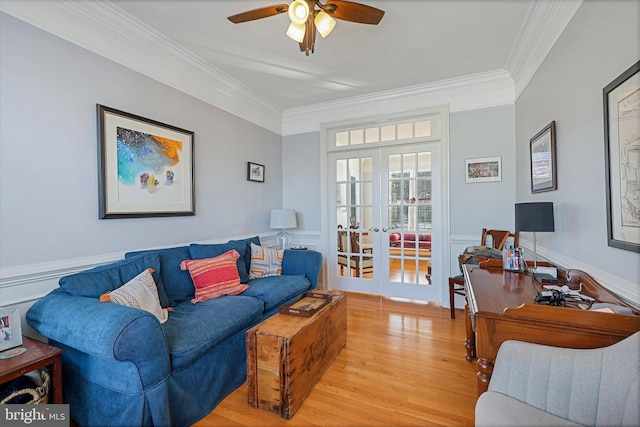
{"x": 464, "y": 53}
{"x": 416, "y": 42}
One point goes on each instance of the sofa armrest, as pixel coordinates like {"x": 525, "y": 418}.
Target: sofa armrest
{"x": 304, "y": 262}
{"x": 104, "y": 329}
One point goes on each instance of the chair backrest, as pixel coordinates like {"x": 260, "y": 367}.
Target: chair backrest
{"x": 348, "y": 245}
{"x": 499, "y": 238}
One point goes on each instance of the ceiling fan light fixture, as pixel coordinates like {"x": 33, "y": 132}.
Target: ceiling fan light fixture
{"x": 324, "y": 23}
{"x": 299, "y": 12}
{"x": 296, "y": 32}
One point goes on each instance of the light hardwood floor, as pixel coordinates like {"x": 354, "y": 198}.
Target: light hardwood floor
{"x": 403, "y": 365}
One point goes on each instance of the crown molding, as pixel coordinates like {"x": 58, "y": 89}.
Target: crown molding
{"x": 106, "y": 30}
{"x": 491, "y": 89}
{"x": 544, "y": 23}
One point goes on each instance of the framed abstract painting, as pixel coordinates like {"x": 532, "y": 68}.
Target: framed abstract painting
{"x": 145, "y": 168}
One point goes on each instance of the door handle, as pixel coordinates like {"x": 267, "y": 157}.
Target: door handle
{"x": 393, "y": 227}
{"x": 376, "y": 229}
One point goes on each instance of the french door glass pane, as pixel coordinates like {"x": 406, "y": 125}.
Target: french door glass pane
{"x": 354, "y": 215}
{"x": 409, "y": 201}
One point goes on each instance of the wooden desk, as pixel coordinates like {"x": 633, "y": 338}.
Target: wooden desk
{"x": 38, "y": 355}
{"x": 500, "y": 307}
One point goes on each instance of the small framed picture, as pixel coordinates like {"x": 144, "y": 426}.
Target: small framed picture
{"x": 10, "y": 329}
{"x": 485, "y": 169}
{"x": 255, "y": 172}
{"x": 543, "y": 160}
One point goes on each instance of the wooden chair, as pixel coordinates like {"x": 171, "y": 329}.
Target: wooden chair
{"x": 498, "y": 239}
{"x": 348, "y": 254}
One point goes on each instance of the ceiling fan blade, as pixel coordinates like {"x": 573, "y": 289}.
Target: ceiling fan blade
{"x": 263, "y": 12}
{"x": 356, "y": 12}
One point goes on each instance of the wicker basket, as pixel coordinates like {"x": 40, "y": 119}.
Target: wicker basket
{"x": 40, "y": 395}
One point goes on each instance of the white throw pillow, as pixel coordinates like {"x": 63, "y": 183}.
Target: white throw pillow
{"x": 140, "y": 292}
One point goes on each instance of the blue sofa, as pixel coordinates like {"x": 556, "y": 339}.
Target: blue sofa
{"x": 122, "y": 367}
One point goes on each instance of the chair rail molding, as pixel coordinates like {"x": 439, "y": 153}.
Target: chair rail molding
{"x": 625, "y": 289}
{"x": 26, "y": 283}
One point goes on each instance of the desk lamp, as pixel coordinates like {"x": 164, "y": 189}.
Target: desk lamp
{"x": 534, "y": 217}
{"x": 283, "y": 219}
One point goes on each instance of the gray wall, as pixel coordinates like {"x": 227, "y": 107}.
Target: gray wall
{"x": 599, "y": 44}
{"x": 482, "y": 133}
{"x": 48, "y": 155}
{"x": 302, "y": 177}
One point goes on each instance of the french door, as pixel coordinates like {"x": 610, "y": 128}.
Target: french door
{"x": 384, "y": 220}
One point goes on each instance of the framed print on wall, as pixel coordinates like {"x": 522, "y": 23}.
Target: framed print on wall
{"x": 255, "y": 172}
{"x": 145, "y": 168}
{"x": 622, "y": 159}
{"x": 543, "y": 160}
{"x": 485, "y": 169}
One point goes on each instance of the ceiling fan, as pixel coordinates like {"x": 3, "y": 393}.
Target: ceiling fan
{"x": 307, "y": 16}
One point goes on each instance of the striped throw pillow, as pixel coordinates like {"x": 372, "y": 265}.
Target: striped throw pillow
{"x": 214, "y": 277}
{"x": 265, "y": 262}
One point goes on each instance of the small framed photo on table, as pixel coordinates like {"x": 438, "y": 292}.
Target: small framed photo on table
{"x": 10, "y": 328}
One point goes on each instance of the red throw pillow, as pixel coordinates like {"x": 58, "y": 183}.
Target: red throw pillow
{"x": 215, "y": 277}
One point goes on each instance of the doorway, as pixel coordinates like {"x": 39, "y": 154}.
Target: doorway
{"x": 385, "y": 212}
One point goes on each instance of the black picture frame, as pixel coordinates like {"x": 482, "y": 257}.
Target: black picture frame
{"x": 145, "y": 168}
{"x": 255, "y": 172}
{"x": 621, "y": 110}
{"x": 542, "y": 149}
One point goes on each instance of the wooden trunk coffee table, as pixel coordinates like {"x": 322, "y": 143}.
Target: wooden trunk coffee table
{"x": 287, "y": 355}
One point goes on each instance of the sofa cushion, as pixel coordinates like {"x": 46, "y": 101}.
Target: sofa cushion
{"x": 265, "y": 262}
{"x": 276, "y": 290}
{"x": 247, "y": 253}
{"x": 214, "y": 277}
{"x": 176, "y": 283}
{"x": 140, "y": 292}
{"x": 199, "y": 251}
{"x": 106, "y": 278}
{"x": 194, "y": 329}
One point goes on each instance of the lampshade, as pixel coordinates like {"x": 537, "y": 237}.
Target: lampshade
{"x": 296, "y": 32}
{"x": 324, "y": 23}
{"x": 537, "y": 216}
{"x": 283, "y": 218}
{"x": 299, "y": 12}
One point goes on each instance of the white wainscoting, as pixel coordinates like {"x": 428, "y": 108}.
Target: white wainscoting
{"x": 23, "y": 285}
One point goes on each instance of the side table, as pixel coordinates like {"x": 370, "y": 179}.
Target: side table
{"x": 38, "y": 355}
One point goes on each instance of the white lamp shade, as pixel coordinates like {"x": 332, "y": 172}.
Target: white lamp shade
{"x": 324, "y": 23}
{"x": 299, "y": 12}
{"x": 296, "y": 32}
{"x": 283, "y": 218}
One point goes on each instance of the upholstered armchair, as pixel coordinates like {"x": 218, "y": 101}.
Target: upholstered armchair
{"x": 538, "y": 385}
